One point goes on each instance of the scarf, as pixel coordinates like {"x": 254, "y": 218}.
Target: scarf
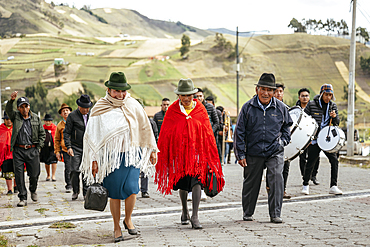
{"x": 188, "y": 147}
{"x": 5, "y": 137}
{"x": 52, "y": 128}
{"x": 116, "y": 127}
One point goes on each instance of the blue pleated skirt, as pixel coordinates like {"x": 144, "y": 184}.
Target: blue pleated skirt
{"x": 122, "y": 182}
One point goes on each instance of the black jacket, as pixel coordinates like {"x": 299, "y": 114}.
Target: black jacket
{"x": 154, "y": 128}
{"x": 158, "y": 119}
{"x": 314, "y": 109}
{"x": 74, "y": 131}
{"x": 261, "y": 133}
{"x": 213, "y": 118}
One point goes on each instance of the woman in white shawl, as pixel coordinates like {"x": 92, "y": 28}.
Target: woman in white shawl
{"x": 118, "y": 142}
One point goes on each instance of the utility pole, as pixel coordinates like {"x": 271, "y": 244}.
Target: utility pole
{"x": 237, "y": 72}
{"x": 351, "y": 85}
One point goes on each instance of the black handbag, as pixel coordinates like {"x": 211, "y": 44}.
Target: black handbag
{"x": 211, "y": 179}
{"x": 96, "y": 197}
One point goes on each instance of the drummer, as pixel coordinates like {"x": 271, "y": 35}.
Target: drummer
{"x": 279, "y": 94}
{"x": 324, "y": 111}
{"x": 303, "y": 99}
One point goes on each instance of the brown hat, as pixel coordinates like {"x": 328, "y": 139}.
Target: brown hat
{"x": 267, "y": 80}
{"x": 64, "y": 105}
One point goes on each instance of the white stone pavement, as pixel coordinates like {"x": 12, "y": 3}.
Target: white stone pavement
{"x": 322, "y": 220}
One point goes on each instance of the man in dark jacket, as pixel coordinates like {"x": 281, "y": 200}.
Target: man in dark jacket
{"x": 322, "y": 109}
{"x": 303, "y": 99}
{"x": 73, "y": 138}
{"x": 159, "y": 116}
{"x": 27, "y": 139}
{"x": 262, "y": 131}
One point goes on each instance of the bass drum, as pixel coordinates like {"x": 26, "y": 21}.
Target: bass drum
{"x": 302, "y": 133}
{"x": 331, "y": 139}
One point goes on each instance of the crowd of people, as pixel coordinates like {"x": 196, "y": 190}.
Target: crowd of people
{"x": 115, "y": 143}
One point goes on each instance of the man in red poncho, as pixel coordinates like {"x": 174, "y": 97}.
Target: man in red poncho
{"x": 6, "y": 156}
{"x": 187, "y": 151}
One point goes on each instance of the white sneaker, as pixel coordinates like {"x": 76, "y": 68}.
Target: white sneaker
{"x": 190, "y": 196}
{"x": 305, "y": 190}
{"x": 203, "y": 196}
{"x": 335, "y": 190}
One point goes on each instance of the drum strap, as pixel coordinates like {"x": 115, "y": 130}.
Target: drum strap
{"x": 328, "y": 136}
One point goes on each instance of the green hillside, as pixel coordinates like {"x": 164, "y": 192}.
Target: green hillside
{"x": 297, "y": 60}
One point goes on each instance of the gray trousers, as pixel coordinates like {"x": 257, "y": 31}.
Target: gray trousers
{"x": 67, "y": 169}
{"x": 252, "y": 183}
{"x": 75, "y": 172}
{"x": 144, "y": 180}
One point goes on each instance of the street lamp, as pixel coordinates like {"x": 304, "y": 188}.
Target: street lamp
{"x": 238, "y": 66}
{"x": 7, "y": 88}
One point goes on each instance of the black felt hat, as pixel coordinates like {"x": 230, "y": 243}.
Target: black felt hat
{"x": 5, "y": 116}
{"x": 84, "y": 101}
{"x": 48, "y": 117}
{"x": 267, "y": 80}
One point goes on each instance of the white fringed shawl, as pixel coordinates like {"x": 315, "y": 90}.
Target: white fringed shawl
{"x": 117, "y": 126}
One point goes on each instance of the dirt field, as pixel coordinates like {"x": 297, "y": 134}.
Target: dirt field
{"x": 345, "y": 74}
{"x": 7, "y": 44}
{"x": 154, "y": 47}
{"x": 49, "y": 75}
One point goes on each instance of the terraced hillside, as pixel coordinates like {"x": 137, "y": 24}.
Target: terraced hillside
{"x": 298, "y": 60}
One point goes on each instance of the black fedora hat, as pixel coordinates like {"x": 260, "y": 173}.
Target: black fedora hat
{"x": 267, "y": 80}
{"x": 117, "y": 81}
{"x": 48, "y": 117}
{"x": 5, "y": 116}
{"x": 84, "y": 101}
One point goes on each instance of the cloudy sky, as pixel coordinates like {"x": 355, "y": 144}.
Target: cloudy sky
{"x": 248, "y": 15}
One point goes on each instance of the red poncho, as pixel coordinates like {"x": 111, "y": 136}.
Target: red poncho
{"x": 187, "y": 147}
{"x": 5, "y": 136}
{"x": 52, "y": 128}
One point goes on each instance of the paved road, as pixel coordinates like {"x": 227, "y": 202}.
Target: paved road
{"x": 315, "y": 220}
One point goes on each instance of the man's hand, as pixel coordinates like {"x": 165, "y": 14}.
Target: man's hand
{"x": 70, "y": 152}
{"x": 59, "y": 156}
{"x": 94, "y": 168}
{"x": 13, "y": 96}
{"x": 243, "y": 162}
{"x": 333, "y": 114}
{"x": 220, "y": 133}
{"x": 153, "y": 158}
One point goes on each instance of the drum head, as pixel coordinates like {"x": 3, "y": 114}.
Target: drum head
{"x": 295, "y": 114}
{"x": 328, "y": 138}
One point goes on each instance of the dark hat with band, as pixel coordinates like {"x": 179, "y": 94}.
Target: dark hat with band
{"x": 267, "y": 80}
{"x": 64, "y": 105}
{"x": 84, "y": 101}
{"x": 185, "y": 87}
{"x": 117, "y": 81}
{"x": 48, "y": 117}
{"x": 5, "y": 116}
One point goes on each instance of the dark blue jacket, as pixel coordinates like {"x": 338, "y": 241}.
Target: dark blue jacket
{"x": 261, "y": 133}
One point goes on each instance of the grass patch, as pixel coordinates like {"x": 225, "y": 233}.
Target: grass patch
{"x": 147, "y": 93}
{"x": 86, "y": 73}
{"x": 50, "y": 50}
{"x": 102, "y": 61}
{"x": 4, "y": 73}
{"x": 13, "y": 50}
{"x": 41, "y": 210}
{"x": 3, "y": 241}
{"x": 97, "y": 89}
{"x": 158, "y": 70}
{"x": 62, "y": 225}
